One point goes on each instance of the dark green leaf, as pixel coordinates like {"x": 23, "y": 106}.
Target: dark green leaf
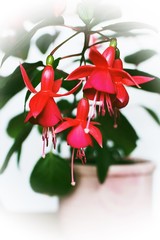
{"x": 128, "y": 26}
{"x": 17, "y": 145}
{"x": 152, "y": 114}
{"x": 60, "y": 74}
{"x": 25, "y": 39}
{"x": 56, "y": 62}
{"x": 44, "y": 41}
{"x": 104, "y": 160}
{"x": 51, "y": 176}
{"x": 124, "y": 136}
{"x": 15, "y": 125}
{"x": 12, "y": 84}
{"x": 140, "y": 56}
{"x": 152, "y": 86}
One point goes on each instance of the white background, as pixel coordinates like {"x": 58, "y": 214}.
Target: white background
{"x": 15, "y": 192}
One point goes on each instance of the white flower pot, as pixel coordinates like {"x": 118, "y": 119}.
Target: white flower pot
{"x": 123, "y": 200}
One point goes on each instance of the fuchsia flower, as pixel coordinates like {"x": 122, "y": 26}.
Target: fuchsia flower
{"x": 105, "y": 80}
{"x": 43, "y": 108}
{"x": 80, "y": 136}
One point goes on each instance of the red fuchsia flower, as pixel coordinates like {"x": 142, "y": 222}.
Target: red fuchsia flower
{"x": 121, "y": 98}
{"x": 102, "y": 85}
{"x": 43, "y": 108}
{"x": 79, "y": 136}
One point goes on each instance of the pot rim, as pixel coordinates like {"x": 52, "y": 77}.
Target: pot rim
{"x": 138, "y": 168}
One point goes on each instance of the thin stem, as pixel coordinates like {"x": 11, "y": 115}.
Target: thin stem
{"x": 56, "y": 48}
{"x": 98, "y": 43}
{"x": 85, "y": 46}
{"x": 72, "y": 55}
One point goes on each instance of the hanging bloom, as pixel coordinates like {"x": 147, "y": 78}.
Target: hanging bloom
{"x": 121, "y": 98}
{"x": 81, "y": 133}
{"x": 102, "y": 84}
{"x": 43, "y": 108}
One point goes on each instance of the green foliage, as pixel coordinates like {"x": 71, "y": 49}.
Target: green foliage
{"x": 44, "y": 41}
{"x": 152, "y": 114}
{"x": 13, "y": 84}
{"x": 140, "y": 56}
{"x": 15, "y": 125}
{"x": 51, "y": 176}
{"x": 124, "y": 27}
{"x": 124, "y": 136}
{"x": 152, "y": 86}
{"x": 23, "y": 43}
{"x": 16, "y": 147}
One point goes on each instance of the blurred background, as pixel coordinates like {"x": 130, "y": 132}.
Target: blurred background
{"x": 16, "y": 195}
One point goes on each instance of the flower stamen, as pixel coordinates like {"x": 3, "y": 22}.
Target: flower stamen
{"x": 91, "y": 113}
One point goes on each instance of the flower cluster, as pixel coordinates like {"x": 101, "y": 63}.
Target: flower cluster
{"x": 103, "y": 81}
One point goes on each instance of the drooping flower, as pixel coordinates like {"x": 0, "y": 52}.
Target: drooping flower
{"x": 81, "y": 133}
{"x": 43, "y": 108}
{"x": 105, "y": 80}
{"x": 122, "y": 98}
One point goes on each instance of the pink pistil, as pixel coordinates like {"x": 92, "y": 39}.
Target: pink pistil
{"x": 45, "y": 138}
{"x": 81, "y": 155}
{"x": 109, "y": 105}
{"x": 53, "y": 137}
{"x": 91, "y": 113}
{"x": 73, "y": 183}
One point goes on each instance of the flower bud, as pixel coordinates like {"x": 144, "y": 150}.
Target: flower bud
{"x": 49, "y": 60}
{"x": 113, "y": 42}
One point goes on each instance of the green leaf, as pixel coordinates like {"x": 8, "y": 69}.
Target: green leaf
{"x": 15, "y": 125}
{"x": 12, "y": 84}
{"x": 17, "y": 145}
{"x": 152, "y": 114}
{"x": 128, "y": 26}
{"x": 25, "y": 39}
{"x": 105, "y": 12}
{"x": 51, "y": 176}
{"x": 56, "y": 62}
{"x": 44, "y": 41}
{"x": 8, "y": 43}
{"x": 85, "y": 12}
{"x": 152, "y": 86}
{"x": 140, "y": 56}
{"x": 124, "y": 136}
{"x": 105, "y": 158}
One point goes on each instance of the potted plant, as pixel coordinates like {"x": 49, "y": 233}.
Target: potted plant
{"x": 76, "y": 94}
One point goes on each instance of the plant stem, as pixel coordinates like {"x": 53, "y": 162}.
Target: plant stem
{"x": 85, "y": 46}
{"x": 56, "y": 48}
{"x": 72, "y": 55}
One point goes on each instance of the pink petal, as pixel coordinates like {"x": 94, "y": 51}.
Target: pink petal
{"x": 50, "y": 115}
{"x": 122, "y": 97}
{"x": 137, "y": 79}
{"x": 102, "y": 81}
{"x": 109, "y": 55}
{"x": 29, "y": 115}
{"x": 97, "y": 58}
{"x": 26, "y": 80}
{"x": 121, "y": 73}
{"x": 69, "y": 92}
{"x": 67, "y": 124}
{"x": 77, "y": 138}
{"x": 80, "y": 72}
{"x": 37, "y": 103}
{"x": 96, "y": 133}
{"x": 56, "y": 86}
